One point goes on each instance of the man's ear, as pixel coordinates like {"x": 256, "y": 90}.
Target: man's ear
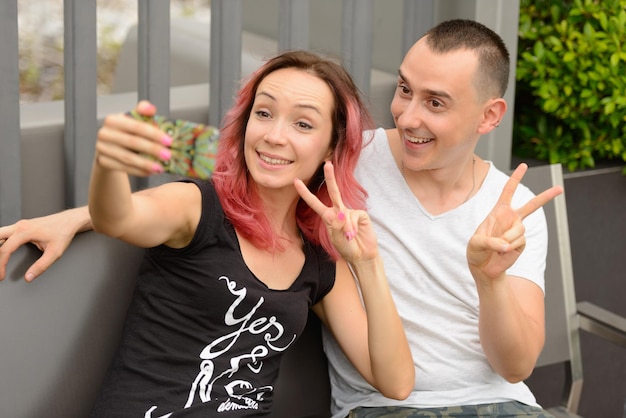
{"x": 492, "y": 116}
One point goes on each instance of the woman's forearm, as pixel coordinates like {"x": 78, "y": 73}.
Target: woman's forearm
{"x": 390, "y": 355}
{"x": 110, "y": 201}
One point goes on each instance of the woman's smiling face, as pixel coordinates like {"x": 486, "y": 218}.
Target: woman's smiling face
{"x": 289, "y": 131}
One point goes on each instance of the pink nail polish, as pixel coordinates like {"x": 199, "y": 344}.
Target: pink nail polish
{"x": 167, "y": 140}
{"x": 165, "y": 154}
{"x": 349, "y": 235}
{"x": 341, "y": 216}
{"x": 157, "y": 168}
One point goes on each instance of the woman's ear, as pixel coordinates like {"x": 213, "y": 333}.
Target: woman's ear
{"x": 492, "y": 116}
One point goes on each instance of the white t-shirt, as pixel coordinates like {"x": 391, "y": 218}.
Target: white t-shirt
{"x": 435, "y": 294}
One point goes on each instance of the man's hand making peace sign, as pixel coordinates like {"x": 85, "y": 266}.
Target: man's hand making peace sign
{"x": 499, "y": 240}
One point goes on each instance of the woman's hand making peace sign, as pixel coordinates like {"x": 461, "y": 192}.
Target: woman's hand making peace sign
{"x": 350, "y": 230}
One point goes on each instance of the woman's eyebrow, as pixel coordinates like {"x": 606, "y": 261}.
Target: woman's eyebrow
{"x": 300, "y": 105}
{"x": 263, "y": 93}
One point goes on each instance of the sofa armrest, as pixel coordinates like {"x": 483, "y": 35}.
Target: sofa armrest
{"x": 602, "y": 322}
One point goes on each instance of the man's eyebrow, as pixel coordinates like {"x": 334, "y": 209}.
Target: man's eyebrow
{"x": 430, "y": 92}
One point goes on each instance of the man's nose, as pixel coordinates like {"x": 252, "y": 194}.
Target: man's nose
{"x": 411, "y": 116}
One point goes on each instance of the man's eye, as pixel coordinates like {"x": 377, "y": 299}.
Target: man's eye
{"x": 403, "y": 88}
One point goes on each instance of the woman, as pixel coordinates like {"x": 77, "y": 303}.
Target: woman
{"x": 233, "y": 264}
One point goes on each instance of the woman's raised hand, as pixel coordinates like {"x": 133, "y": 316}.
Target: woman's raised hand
{"x": 123, "y": 143}
{"x": 350, "y": 230}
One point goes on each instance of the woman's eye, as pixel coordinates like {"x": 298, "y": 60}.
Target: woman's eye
{"x": 304, "y": 125}
{"x": 262, "y": 114}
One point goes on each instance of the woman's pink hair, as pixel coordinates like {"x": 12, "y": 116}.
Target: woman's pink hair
{"x": 237, "y": 191}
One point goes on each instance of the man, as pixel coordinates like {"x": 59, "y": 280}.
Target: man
{"x": 475, "y": 332}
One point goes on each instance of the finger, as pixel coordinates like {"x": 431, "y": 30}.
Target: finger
{"x": 136, "y": 127}
{"x": 514, "y": 234}
{"x": 539, "y": 200}
{"x": 479, "y": 243}
{"x": 144, "y": 113}
{"x": 310, "y": 199}
{"x": 41, "y": 265}
{"x": 351, "y": 227}
{"x": 331, "y": 185}
{"x": 511, "y": 185}
{"x": 7, "y": 248}
{"x": 3, "y": 236}
{"x": 518, "y": 244}
{"x": 6, "y": 232}
{"x": 4, "y": 259}
{"x": 146, "y": 108}
{"x": 498, "y": 245}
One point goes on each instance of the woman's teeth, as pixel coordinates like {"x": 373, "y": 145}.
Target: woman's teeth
{"x": 274, "y": 161}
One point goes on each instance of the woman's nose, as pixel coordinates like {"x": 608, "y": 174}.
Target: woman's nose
{"x": 277, "y": 133}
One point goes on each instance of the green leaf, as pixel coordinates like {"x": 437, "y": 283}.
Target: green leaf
{"x": 604, "y": 23}
{"x": 569, "y": 56}
{"x": 567, "y": 89}
{"x": 539, "y": 49}
{"x": 615, "y": 59}
{"x": 609, "y": 108}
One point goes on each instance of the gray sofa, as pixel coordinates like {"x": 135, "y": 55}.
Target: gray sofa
{"x": 60, "y": 331}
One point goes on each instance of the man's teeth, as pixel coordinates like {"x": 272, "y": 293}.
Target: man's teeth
{"x": 416, "y": 140}
{"x": 274, "y": 161}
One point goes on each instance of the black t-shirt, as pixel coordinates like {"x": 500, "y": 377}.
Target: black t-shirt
{"x": 203, "y": 336}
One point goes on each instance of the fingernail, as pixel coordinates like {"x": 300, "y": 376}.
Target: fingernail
{"x": 148, "y": 107}
{"x": 167, "y": 140}
{"x": 157, "y": 168}
{"x": 341, "y": 216}
{"x": 30, "y": 277}
{"x": 349, "y": 235}
{"x": 165, "y": 154}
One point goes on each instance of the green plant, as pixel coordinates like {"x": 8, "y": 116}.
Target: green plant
{"x": 570, "y": 105}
